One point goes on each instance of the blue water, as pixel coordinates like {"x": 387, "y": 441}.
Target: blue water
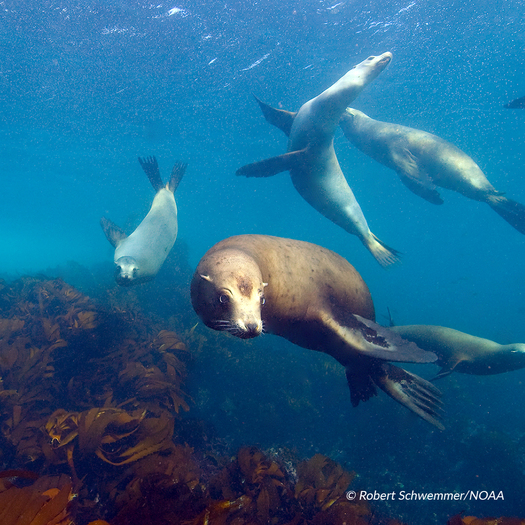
{"x": 86, "y": 87}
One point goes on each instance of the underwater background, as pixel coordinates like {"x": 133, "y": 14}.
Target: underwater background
{"x": 86, "y": 87}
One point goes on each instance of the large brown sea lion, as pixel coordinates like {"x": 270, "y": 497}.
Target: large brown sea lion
{"x": 424, "y": 161}
{"x": 314, "y": 298}
{"x": 139, "y": 257}
{"x": 311, "y": 158}
{"x": 465, "y": 353}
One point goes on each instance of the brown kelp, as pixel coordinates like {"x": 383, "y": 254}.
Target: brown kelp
{"x": 81, "y": 385}
{"x": 90, "y": 428}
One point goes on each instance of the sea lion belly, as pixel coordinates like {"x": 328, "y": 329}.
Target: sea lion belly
{"x": 153, "y": 239}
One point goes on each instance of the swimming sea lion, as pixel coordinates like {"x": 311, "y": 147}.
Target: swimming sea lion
{"x": 460, "y": 352}
{"x": 311, "y": 158}
{"x": 140, "y": 256}
{"x": 316, "y": 299}
{"x": 519, "y": 103}
{"x": 424, "y": 161}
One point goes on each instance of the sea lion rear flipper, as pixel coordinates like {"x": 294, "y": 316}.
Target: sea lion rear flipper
{"x": 378, "y": 341}
{"x": 414, "y": 179}
{"x": 177, "y": 173}
{"x": 114, "y": 234}
{"x": 151, "y": 169}
{"x": 273, "y": 165}
{"x": 413, "y": 392}
{"x": 361, "y": 386}
{"x": 513, "y": 212}
{"x": 280, "y": 118}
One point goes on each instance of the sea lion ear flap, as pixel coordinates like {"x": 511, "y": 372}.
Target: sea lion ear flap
{"x": 206, "y": 278}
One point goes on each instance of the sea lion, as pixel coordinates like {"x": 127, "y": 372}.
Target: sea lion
{"x": 139, "y": 257}
{"x": 316, "y": 299}
{"x": 424, "y": 161}
{"x": 464, "y": 353}
{"x": 311, "y": 158}
{"x": 518, "y": 103}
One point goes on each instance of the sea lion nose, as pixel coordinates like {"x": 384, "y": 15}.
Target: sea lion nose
{"x": 252, "y": 329}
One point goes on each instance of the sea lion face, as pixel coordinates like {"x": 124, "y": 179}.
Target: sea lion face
{"x": 227, "y": 293}
{"x": 127, "y": 271}
{"x": 373, "y": 66}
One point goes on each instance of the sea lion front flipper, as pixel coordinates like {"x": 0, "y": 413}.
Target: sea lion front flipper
{"x": 273, "y": 165}
{"x": 177, "y": 173}
{"x": 444, "y": 372}
{"x": 279, "y": 118}
{"x": 413, "y": 392}
{"x": 113, "y": 233}
{"x": 414, "y": 179}
{"x": 378, "y": 341}
{"x": 421, "y": 190}
{"x": 151, "y": 169}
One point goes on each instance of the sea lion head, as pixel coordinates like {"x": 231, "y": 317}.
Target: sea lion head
{"x": 370, "y": 68}
{"x": 227, "y": 292}
{"x": 510, "y": 357}
{"x": 127, "y": 271}
{"x": 352, "y": 119}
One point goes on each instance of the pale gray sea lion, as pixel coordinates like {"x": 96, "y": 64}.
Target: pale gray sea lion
{"x": 139, "y": 257}
{"x": 424, "y": 161}
{"x": 464, "y": 353}
{"x": 311, "y": 158}
{"x": 316, "y": 299}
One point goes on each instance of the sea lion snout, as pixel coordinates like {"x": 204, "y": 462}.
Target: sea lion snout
{"x": 227, "y": 292}
{"x": 249, "y": 330}
{"x": 126, "y": 271}
{"x": 384, "y": 59}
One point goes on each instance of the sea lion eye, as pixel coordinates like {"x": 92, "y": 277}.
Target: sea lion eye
{"x": 263, "y": 300}
{"x": 224, "y": 299}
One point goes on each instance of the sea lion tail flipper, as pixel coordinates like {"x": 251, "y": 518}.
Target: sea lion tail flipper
{"x": 513, "y": 212}
{"x": 273, "y": 165}
{"x": 413, "y": 392}
{"x": 177, "y": 173}
{"x": 151, "y": 169}
{"x": 114, "y": 234}
{"x": 382, "y": 253}
{"x": 279, "y": 118}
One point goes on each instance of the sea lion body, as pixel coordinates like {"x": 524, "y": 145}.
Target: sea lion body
{"x": 311, "y": 159}
{"x": 139, "y": 256}
{"x": 464, "y": 353}
{"x": 424, "y": 161}
{"x": 314, "y": 298}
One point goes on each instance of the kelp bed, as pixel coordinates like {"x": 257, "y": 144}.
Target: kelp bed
{"x": 90, "y": 399}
